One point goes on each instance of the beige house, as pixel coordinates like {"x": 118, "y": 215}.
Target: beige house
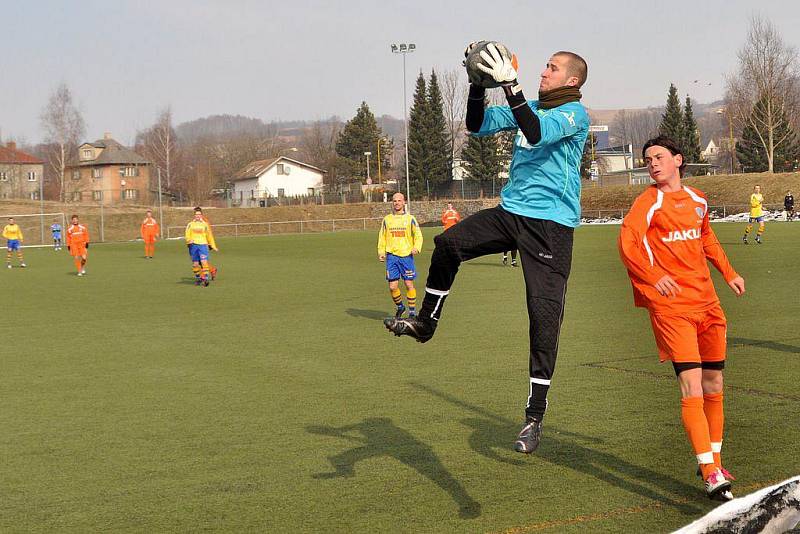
{"x": 21, "y": 174}
{"x": 109, "y": 173}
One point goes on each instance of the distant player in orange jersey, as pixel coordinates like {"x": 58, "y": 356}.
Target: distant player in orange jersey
{"x": 149, "y": 233}
{"x": 665, "y": 243}
{"x": 78, "y": 244}
{"x": 211, "y": 269}
{"x": 450, "y": 216}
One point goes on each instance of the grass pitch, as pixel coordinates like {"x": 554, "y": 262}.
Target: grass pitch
{"x": 275, "y": 401}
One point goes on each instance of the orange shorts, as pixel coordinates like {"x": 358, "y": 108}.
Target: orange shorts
{"x": 692, "y": 337}
{"x": 149, "y": 238}
{"x": 77, "y": 250}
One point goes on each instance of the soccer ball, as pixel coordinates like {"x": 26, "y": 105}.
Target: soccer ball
{"x": 477, "y": 76}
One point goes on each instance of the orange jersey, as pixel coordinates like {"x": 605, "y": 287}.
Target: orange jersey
{"x": 77, "y": 235}
{"x": 149, "y": 227}
{"x": 450, "y": 218}
{"x": 669, "y": 234}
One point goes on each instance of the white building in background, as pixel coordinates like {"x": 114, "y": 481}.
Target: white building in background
{"x": 275, "y": 178}
{"x": 711, "y": 151}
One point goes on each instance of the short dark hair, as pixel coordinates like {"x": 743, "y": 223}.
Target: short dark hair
{"x": 576, "y": 66}
{"x": 668, "y": 143}
{"x": 73, "y": 217}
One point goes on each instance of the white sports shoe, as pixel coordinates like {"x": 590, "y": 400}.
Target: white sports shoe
{"x": 717, "y": 485}
{"x": 83, "y": 271}
{"x": 80, "y": 274}
{"x": 22, "y": 265}
{"x": 9, "y": 265}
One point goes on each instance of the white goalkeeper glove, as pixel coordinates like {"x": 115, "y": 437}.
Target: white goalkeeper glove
{"x": 498, "y": 66}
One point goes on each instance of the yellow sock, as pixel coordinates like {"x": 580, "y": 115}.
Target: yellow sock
{"x": 397, "y": 297}
{"x": 196, "y": 271}
{"x": 411, "y": 296}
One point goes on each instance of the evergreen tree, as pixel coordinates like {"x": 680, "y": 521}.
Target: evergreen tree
{"x": 359, "y": 135}
{"x": 484, "y": 158}
{"x": 419, "y": 157}
{"x": 672, "y": 119}
{"x": 438, "y": 140}
{"x": 750, "y": 150}
{"x": 691, "y": 136}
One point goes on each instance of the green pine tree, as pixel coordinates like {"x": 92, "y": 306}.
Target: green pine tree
{"x": 691, "y": 135}
{"x": 419, "y": 157}
{"x": 751, "y": 152}
{"x": 438, "y": 140}
{"x": 360, "y": 134}
{"x": 484, "y": 158}
{"x": 672, "y": 119}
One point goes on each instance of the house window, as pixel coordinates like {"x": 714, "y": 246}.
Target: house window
{"x": 3, "y": 177}
{"x": 34, "y": 195}
{"x": 97, "y": 195}
{"x": 31, "y": 176}
{"x": 76, "y": 196}
{"x": 131, "y": 194}
{"x": 281, "y": 192}
{"x": 281, "y": 168}
{"x": 76, "y": 174}
{"x": 97, "y": 173}
{"x": 128, "y": 171}
{"x": 310, "y": 191}
{"x": 87, "y": 154}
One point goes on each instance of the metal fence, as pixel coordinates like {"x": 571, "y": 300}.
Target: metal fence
{"x": 715, "y": 212}
{"x": 284, "y": 227}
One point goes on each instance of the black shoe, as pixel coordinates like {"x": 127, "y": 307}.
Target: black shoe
{"x": 529, "y": 436}
{"x": 414, "y": 327}
{"x": 744, "y": 240}
{"x": 505, "y": 260}
{"x": 513, "y": 263}
{"x": 398, "y": 314}
{"x": 758, "y": 239}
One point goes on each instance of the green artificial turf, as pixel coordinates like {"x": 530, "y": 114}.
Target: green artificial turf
{"x": 275, "y": 401}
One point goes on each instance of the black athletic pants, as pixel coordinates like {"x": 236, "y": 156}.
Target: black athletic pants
{"x": 545, "y": 248}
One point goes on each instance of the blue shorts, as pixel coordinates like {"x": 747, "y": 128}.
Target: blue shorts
{"x": 13, "y": 244}
{"x": 398, "y": 267}
{"x": 198, "y": 253}
{"x": 759, "y": 219}
{"x": 57, "y": 236}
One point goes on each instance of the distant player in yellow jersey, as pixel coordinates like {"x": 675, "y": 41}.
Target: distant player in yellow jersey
{"x": 756, "y": 215}
{"x": 398, "y": 241}
{"x": 13, "y": 233}
{"x": 199, "y": 238}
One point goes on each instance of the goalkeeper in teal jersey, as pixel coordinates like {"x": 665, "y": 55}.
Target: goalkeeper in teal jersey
{"x": 538, "y": 212}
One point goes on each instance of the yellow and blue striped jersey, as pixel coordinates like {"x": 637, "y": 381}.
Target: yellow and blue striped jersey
{"x": 199, "y": 233}
{"x": 399, "y": 235}
{"x": 12, "y": 231}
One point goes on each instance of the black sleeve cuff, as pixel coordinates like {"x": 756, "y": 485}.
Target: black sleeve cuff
{"x": 526, "y": 119}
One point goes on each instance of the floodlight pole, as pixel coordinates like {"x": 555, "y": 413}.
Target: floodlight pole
{"x": 160, "y": 210}
{"x": 404, "y": 49}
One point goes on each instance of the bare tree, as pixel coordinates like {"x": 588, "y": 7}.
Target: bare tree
{"x": 63, "y": 126}
{"x": 767, "y": 74}
{"x": 454, "y": 99}
{"x": 160, "y": 145}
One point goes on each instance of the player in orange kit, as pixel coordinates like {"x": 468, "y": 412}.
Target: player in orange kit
{"x": 149, "y": 233}
{"x": 450, "y": 216}
{"x": 78, "y": 244}
{"x": 665, "y": 243}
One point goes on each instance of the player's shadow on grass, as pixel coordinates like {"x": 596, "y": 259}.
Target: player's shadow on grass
{"x": 187, "y": 281}
{"x": 771, "y": 345}
{"x": 492, "y": 433}
{"x": 378, "y": 436}
{"x": 375, "y": 315}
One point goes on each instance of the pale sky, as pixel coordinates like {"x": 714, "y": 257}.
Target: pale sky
{"x": 305, "y": 60}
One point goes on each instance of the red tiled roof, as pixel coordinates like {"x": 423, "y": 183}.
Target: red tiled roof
{"x": 12, "y": 155}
